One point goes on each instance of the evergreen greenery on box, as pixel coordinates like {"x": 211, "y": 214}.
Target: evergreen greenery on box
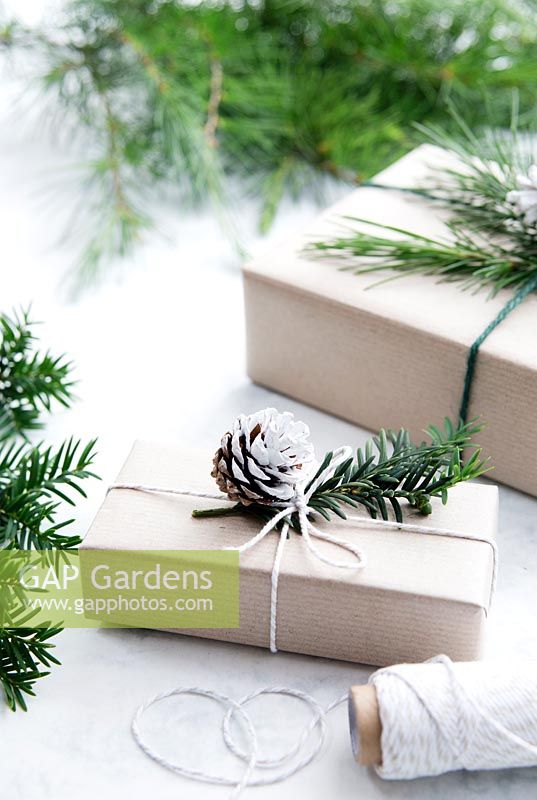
{"x": 490, "y": 241}
{"x": 278, "y": 92}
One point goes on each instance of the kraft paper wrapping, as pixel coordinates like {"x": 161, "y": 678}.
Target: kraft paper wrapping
{"x": 418, "y": 595}
{"x": 395, "y": 354}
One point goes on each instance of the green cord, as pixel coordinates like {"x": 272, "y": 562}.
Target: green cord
{"x": 521, "y": 294}
{"x": 529, "y": 286}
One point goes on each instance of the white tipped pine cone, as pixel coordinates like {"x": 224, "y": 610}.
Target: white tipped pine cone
{"x": 263, "y": 457}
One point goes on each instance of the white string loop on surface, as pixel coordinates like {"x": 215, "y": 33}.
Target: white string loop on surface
{"x": 249, "y": 756}
{"x": 436, "y": 717}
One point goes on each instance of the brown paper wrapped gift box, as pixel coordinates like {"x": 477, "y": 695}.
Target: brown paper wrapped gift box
{"x": 418, "y": 595}
{"x": 395, "y": 354}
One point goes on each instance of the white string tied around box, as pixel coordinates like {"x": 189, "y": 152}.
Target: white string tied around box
{"x": 299, "y": 505}
{"x": 436, "y": 717}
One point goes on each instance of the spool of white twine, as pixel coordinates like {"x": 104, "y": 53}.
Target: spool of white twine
{"x": 436, "y": 717}
{"x": 442, "y": 716}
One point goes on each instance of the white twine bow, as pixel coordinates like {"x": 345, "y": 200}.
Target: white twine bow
{"x": 298, "y": 504}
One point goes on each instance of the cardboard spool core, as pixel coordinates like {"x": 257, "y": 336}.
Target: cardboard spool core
{"x": 365, "y": 725}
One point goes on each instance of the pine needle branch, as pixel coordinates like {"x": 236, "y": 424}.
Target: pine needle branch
{"x": 390, "y": 472}
{"x": 488, "y": 242}
{"x": 30, "y": 381}
{"x": 215, "y": 98}
{"x": 472, "y": 261}
{"x": 179, "y": 96}
{"x": 35, "y": 483}
{"x": 24, "y": 658}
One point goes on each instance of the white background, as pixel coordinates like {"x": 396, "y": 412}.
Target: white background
{"x": 152, "y": 362}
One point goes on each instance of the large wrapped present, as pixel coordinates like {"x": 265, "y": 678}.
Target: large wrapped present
{"x": 395, "y": 353}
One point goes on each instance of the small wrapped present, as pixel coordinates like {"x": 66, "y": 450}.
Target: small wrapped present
{"x": 395, "y": 353}
{"x": 415, "y": 594}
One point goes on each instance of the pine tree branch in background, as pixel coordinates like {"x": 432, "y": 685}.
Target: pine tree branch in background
{"x": 29, "y": 381}
{"x": 278, "y": 94}
{"x": 213, "y": 109}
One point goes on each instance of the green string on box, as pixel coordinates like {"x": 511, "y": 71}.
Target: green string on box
{"x": 529, "y": 286}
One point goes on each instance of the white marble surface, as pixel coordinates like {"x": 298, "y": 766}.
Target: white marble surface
{"x": 152, "y": 362}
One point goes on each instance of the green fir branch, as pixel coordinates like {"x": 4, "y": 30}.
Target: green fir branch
{"x": 36, "y": 482}
{"x": 488, "y": 243}
{"x": 473, "y": 261}
{"x": 486, "y": 166}
{"x": 181, "y": 96}
{"x": 25, "y": 657}
{"x": 391, "y": 470}
{"x": 30, "y": 381}
{"x": 389, "y": 474}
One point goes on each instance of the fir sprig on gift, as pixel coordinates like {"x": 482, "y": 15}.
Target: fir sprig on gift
{"x": 277, "y": 93}
{"x": 471, "y": 260}
{"x": 30, "y": 381}
{"x": 480, "y": 187}
{"x": 390, "y": 473}
{"x": 491, "y": 234}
